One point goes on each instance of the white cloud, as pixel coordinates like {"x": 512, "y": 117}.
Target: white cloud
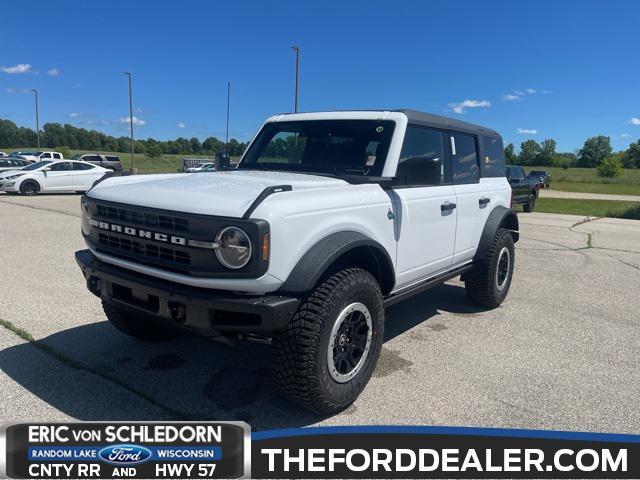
{"x": 136, "y": 120}
{"x": 75, "y": 115}
{"x": 527, "y": 131}
{"x": 16, "y": 90}
{"x": 181, "y": 125}
{"x": 509, "y": 97}
{"x": 625, "y": 135}
{"x": 530, "y": 91}
{"x": 546, "y": 92}
{"x": 465, "y": 104}
{"x": 53, "y": 72}
{"x": 634, "y": 121}
{"x": 20, "y": 68}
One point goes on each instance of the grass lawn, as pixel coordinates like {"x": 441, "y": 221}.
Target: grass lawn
{"x": 588, "y": 180}
{"x": 592, "y": 208}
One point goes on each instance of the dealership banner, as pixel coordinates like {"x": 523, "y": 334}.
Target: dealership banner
{"x": 229, "y": 450}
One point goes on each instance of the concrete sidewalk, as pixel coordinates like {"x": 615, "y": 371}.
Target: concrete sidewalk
{"x": 550, "y": 193}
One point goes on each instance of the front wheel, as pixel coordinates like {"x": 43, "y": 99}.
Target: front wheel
{"x": 325, "y": 356}
{"x": 530, "y": 205}
{"x": 29, "y": 187}
{"x": 488, "y": 282}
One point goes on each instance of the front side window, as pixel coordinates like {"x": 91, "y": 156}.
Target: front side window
{"x": 61, "y": 167}
{"x": 464, "y": 158}
{"x": 335, "y": 147}
{"x": 492, "y": 164}
{"x": 45, "y": 155}
{"x": 422, "y": 159}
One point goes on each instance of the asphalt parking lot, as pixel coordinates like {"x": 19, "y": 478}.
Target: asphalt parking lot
{"x": 561, "y": 353}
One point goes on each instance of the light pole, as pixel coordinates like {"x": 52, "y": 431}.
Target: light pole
{"x": 226, "y": 146}
{"x": 128, "y": 74}
{"x": 295, "y": 102}
{"x": 37, "y": 118}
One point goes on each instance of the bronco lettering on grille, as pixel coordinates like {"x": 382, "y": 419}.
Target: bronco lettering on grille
{"x": 139, "y": 232}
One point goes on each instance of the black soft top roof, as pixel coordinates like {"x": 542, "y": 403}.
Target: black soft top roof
{"x": 438, "y": 121}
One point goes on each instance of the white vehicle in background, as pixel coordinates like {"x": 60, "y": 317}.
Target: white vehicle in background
{"x": 37, "y": 156}
{"x": 8, "y": 163}
{"x": 2, "y": 155}
{"x": 205, "y": 167}
{"x": 50, "y": 176}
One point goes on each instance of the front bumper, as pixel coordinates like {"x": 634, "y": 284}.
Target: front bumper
{"x": 200, "y": 310}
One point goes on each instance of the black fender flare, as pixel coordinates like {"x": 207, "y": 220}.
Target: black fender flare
{"x": 500, "y": 217}
{"x": 318, "y": 260}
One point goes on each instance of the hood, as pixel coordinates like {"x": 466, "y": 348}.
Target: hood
{"x": 209, "y": 193}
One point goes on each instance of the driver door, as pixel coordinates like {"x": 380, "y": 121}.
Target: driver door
{"x": 59, "y": 176}
{"x": 426, "y": 213}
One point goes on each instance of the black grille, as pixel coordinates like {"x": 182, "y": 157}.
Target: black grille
{"x": 146, "y": 219}
{"x": 154, "y": 252}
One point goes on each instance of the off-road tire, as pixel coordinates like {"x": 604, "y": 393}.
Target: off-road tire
{"x": 299, "y": 352}
{"x": 481, "y": 282}
{"x": 25, "y": 190}
{"x": 530, "y": 205}
{"x": 137, "y": 324}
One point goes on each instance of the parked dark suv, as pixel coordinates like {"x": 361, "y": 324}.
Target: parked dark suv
{"x": 112, "y": 162}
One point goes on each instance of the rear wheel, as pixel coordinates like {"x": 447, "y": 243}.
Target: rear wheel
{"x": 530, "y": 205}
{"x": 29, "y": 187}
{"x": 137, "y": 324}
{"x": 488, "y": 283}
{"x": 325, "y": 356}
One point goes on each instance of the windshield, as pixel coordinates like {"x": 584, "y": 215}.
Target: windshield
{"x": 19, "y": 154}
{"x": 37, "y": 165}
{"x": 537, "y": 173}
{"x": 76, "y": 156}
{"x": 337, "y": 147}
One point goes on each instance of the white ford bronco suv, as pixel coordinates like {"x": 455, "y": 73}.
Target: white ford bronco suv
{"x": 327, "y": 219}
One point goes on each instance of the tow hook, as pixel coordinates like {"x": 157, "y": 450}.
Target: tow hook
{"x": 177, "y": 312}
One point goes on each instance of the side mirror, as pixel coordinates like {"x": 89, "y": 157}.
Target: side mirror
{"x": 46, "y": 169}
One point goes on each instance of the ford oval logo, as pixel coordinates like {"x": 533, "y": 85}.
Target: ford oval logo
{"x": 125, "y": 454}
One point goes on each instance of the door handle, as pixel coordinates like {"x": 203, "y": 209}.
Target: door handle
{"x": 446, "y": 206}
{"x": 483, "y": 201}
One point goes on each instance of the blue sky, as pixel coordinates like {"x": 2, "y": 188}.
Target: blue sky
{"x": 564, "y": 70}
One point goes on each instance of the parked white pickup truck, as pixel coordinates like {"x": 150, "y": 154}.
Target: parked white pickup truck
{"x": 328, "y": 218}
{"x": 38, "y": 156}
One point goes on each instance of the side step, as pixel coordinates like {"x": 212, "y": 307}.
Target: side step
{"x": 410, "y": 291}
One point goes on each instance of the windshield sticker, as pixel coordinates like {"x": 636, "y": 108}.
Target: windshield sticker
{"x": 371, "y": 160}
{"x": 379, "y": 129}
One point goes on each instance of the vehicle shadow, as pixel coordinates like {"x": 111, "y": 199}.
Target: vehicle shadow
{"x": 190, "y": 378}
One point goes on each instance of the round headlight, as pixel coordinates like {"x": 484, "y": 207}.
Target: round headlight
{"x": 85, "y": 218}
{"x": 234, "y": 247}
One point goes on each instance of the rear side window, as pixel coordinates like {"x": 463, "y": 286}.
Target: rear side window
{"x": 422, "y": 159}
{"x": 91, "y": 158}
{"x": 492, "y": 164}
{"x": 111, "y": 158}
{"x": 82, "y": 166}
{"x": 464, "y": 158}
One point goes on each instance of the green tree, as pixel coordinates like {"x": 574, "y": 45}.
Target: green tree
{"x": 609, "y": 167}
{"x": 529, "y": 152}
{"x": 510, "y": 154}
{"x": 154, "y": 151}
{"x": 631, "y": 157}
{"x": 547, "y": 152}
{"x": 594, "y": 151}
